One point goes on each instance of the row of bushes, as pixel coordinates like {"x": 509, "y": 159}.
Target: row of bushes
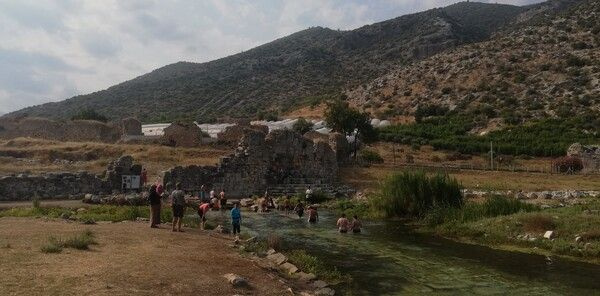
{"x": 547, "y": 137}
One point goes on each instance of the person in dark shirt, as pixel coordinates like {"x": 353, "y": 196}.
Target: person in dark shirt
{"x": 155, "y": 206}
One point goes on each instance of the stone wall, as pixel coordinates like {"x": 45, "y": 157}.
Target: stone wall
{"x": 589, "y": 155}
{"x": 67, "y": 185}
{"x": 51, "y": 186}
{"x": 132, "y": 127}
{"x": 77, "y": 130}
{"x": 260, "y": 161}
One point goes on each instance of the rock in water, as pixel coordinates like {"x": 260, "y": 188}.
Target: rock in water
{"x": 235, "y": 280}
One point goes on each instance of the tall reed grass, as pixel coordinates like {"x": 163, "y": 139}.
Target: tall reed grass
{"x": 413, "y": 194}
{"x": 492, "y": 207}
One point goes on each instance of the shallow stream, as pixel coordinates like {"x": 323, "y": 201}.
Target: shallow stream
{"x": 390, "y": 259}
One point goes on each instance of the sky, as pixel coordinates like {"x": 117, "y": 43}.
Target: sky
{"x": 53, "y": 50}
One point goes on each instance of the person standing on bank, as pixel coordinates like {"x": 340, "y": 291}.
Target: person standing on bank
{"x": 202, "y": 194}
{"x": 155, "y": 205}
{"x": 222, "y": 200}
{"x": 236, "y": 219}
{"x": 178, "y": 206}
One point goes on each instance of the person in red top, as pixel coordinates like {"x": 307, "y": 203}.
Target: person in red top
{"x": 159, "y": 188}
{"x": 202, "y": 211}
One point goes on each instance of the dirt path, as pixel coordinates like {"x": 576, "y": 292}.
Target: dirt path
{"x": 130, "y": 259}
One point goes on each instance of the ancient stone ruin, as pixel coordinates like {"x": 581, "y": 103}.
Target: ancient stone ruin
{"x": 282, "y": 161}
{"x": 131, "y": 127}
{"x": 180, "y": 134}
{"x": 76, "y": 130}
{"x": 67, "y": 185}
{"x": 589, "y": 155}
{"x": 233, "y": 134}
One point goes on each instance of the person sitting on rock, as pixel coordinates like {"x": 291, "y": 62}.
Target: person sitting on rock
{"x": 202, "y": 212}
{"x": 356, "y": 225}
{"x": 343, "y": 224}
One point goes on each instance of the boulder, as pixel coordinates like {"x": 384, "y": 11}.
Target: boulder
{"x": 549, "y": 234}
{"x": 319, "y": 284}
{"x": 306, "y": 277}
{"x": 277, "y": 258}
{"x": 235, "y": 280}
{"x": 289, "y": 268}
{"x": 246, "y": 202}
{"x": 325, "y": 292}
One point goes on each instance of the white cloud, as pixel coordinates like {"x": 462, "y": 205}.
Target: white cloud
{"x": 52, "y": 50}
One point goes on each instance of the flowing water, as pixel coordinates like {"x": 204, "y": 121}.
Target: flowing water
{"x": 389, "y": 259}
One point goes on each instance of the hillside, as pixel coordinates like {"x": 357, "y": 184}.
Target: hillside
{"x": 546, "y": 67}
{"x": 299, "y": 69}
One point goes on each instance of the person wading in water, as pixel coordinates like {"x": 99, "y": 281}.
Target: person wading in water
{"x": 356, "y": 225}
{"x": 343, "y": 224}
{"x": 313, "y": 215}
{"x": 299, "y": 209}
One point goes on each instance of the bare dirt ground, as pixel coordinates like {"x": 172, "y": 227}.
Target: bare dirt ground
{"x": 130, "y": 259}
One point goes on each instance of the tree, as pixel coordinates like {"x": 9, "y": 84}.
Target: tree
{"x": 89, "y": 114}
{"x": 302, "y": 126}
{"x": 342, "y": 118}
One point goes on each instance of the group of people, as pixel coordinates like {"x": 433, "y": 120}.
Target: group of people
{"x": 210, "y": 202}
{"x": 178, "y": 205}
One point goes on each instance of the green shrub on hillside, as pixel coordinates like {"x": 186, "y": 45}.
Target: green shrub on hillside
{"x": 413, "y": 194}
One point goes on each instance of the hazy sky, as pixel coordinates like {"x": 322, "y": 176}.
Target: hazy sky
{"x": 52, "y": 50}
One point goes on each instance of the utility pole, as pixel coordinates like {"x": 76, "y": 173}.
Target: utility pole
{"x": 491, "y": 156}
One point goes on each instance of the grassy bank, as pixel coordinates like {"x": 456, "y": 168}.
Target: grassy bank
{"x": 524, "y": 230}
{"x": 96, "y": 213}
{"x": 431, "y": 202}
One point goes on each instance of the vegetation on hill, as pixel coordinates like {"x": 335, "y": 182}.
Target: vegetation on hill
{"x": 544, "y": 137}
{"x": 548, "y": 66}
{"x": 291, "y": 71}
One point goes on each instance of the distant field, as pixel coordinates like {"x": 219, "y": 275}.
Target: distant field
{"x": 36, "y": 156}
{"x": 368, "y": 179}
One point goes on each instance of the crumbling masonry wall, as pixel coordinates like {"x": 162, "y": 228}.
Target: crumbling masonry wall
{"x": 260, "y": 161}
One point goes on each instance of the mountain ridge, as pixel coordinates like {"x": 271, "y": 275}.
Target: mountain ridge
{"x": 307, "y": 65}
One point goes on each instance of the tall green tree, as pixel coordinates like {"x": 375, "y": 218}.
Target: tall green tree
{"x": 342, "y": 118}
